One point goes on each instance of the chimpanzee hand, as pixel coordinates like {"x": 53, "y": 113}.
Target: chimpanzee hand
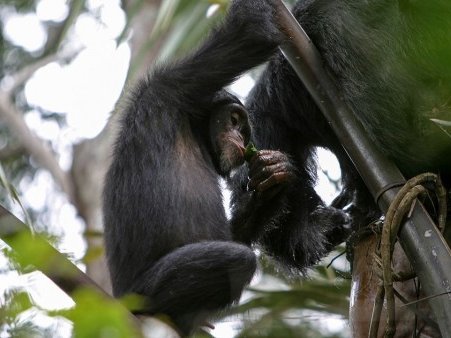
{"x": 257, "y": 19}
{"x": 269, "y": 172}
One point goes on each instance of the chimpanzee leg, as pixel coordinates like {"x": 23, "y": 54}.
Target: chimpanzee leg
{"x": 194, "y": 280}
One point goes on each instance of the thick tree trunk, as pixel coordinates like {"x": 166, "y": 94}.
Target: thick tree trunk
{"x": 90, "y": 162}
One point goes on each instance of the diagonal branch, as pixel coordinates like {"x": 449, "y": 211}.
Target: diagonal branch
{"x": 33, "y": 144}
{"x": 26, "y": 138}
{"x": 19, "y": 78}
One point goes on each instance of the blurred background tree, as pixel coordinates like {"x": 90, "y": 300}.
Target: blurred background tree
{"x": 63, "y": 65}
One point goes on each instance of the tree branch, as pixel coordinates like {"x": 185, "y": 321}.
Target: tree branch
{"x": 76, "y": 7}
{"x": 19, "y": 78}
{"x": 33, "y": 144}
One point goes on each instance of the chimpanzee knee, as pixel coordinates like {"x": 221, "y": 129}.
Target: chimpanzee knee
{"x": 190, "y": 282}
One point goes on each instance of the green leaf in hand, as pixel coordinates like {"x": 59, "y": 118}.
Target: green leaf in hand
{"x": 250, "y": 151}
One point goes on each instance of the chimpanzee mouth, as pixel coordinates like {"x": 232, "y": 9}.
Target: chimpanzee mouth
{"x": 239, "y": 146}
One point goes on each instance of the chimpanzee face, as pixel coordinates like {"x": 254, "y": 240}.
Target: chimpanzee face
{"x": 229, "y": 135}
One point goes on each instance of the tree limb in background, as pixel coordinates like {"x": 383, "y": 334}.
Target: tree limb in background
{"x": 55, "y": 265}
{"x": 33, "y": 144}
{"x": 34, "y": 250}
{"x": 19, "y": 78}
{"x": 75, "y": 10}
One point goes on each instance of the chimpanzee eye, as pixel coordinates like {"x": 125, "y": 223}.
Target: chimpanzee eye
{"x": 234, "y": 118}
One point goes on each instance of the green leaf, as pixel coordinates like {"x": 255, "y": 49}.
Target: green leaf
{"x": 250, "y": 152}
{"x": 12, "y": 192}
{"x": 97, "y": 315}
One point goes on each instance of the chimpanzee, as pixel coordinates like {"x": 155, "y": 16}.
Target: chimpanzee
{"x": 392, "y": 62}
{"x": 166, "y": 233}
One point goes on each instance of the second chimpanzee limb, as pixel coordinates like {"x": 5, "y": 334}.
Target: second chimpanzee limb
{"x": 246, "y": 38}
{"x": 296, "y": 227}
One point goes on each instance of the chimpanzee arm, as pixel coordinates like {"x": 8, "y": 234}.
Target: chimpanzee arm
{"x": 262, "y": 182}
{"x": 296, "y": 227}
{"x": 289, "y": 220}
{"x": 248, "y": 36}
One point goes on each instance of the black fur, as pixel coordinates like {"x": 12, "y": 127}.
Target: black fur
{"x": 392, "y": 62}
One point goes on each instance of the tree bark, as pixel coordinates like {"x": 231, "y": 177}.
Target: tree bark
{"x": 365, "y": 283}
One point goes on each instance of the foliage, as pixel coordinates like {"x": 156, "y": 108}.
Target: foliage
{"x": 299, "y": 309}
{"x": 183, "y": 25}
{"x": 13, "y": 322}
{"x": 14, "y": 196}
{"x": 96, "y": 315}
{"x": 20, "y": 5}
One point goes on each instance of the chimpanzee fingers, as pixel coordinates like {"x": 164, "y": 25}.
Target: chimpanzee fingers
{"x": 256, "y": 177}
{"x": 265, "y": 158}
{"x": 273, "y": 175}
{"x": 262, "y": 157}
{"x": 274, "y": 180}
